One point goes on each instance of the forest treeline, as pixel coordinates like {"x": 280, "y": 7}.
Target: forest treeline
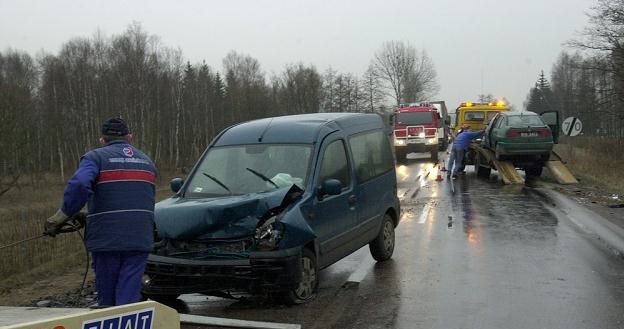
{"x": 589, "y": 83}
{"x": 52, "y": 105}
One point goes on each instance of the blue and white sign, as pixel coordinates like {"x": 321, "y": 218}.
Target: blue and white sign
{"x": 140, "y": 319}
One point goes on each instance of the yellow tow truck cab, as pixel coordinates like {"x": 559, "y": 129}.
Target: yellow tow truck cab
{"x": 477, "y": 115}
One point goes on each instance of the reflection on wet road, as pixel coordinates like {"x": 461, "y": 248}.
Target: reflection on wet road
{"x": 470, "y": 253}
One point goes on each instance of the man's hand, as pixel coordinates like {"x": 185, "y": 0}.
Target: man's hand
{"x": 78, "y": 220}
{"x": 53, "y": 224}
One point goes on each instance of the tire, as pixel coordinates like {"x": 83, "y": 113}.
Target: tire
{"x": 306, "y": 291}
{"x": 535, "y": 171}
{"x": 442, "y": 146}
{"x": 434, "y": 155}
{"x": 482, "y": 171}
{"x": 401, "y": 155}
{"x": 383, "y": 246}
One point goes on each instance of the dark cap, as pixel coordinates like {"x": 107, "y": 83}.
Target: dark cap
{"x": 115, "y": 127}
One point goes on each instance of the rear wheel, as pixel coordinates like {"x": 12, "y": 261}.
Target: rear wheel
{"x": 308, "y": 285}
{"x": 383, "y": 246}
{"x": 534, "y": 171}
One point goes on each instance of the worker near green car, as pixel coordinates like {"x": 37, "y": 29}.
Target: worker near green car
{"x": 117, "y": 181}
{"x": 460, "y": 146}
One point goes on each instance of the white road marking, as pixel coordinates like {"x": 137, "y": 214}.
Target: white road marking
{"x": 425, "y": 214}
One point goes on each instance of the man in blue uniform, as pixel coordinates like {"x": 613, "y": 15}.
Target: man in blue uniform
{"x": 460, "y": 146}
{"x": 116, "y": 181}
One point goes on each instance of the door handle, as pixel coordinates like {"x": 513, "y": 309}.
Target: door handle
{"x": 352, "y": 200}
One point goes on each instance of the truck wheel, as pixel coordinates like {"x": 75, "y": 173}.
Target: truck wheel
{"x": 482, "y": 171}
{"x": 535, "y": 171}
{"x": 383, "y": 246}
{"x": 434, "y": 155}
{"x": 443, "y": 145}
{"x": 306, "y": 291}
{"x": 401, "y": 155}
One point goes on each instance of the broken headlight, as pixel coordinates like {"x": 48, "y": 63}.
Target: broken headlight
{"x": 269, "y": 234}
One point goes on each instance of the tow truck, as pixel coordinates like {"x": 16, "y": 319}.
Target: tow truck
{"x": 420, "y": 127}
{"x": 477, "y": 116}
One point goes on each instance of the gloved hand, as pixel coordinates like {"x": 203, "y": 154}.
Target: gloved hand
{"x": 78, "y": 220}
{"x": 54, "y": 223}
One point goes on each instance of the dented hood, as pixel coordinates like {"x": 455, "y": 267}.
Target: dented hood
{"x": 216, "y": 218}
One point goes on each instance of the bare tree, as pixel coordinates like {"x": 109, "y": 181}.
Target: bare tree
{"x": 373, "y": 95}
{"x": 407, "y": 74}
{"x": 603, "y": 37}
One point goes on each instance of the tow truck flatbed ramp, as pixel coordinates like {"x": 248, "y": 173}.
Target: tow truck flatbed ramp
{"x": 561, "y": 173}
{"x": 506, "y": 170}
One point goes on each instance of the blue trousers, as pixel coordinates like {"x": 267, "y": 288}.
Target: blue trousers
{"x": 118, "y": 276}
{"x": 456, "y": 160}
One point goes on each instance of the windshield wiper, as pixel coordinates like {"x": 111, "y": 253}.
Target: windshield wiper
{"x": 218, "y": 182}
{"x": 264, "y": 178}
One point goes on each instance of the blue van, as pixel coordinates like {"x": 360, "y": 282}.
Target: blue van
{"x": 271, "y": 202}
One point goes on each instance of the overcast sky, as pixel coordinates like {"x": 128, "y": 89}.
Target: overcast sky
{"x": 494, "y": 46}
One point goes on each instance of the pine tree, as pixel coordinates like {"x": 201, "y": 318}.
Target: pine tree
{"x": 540, "y": 98}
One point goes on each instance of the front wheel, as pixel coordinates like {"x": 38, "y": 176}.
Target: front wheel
{"x": 401, "y": 155}
{"x": 434, "y": 155}
{"x": 383, "y": 246}
{"x": 306, "y": 291}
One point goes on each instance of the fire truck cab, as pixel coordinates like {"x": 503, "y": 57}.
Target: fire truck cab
{"x": 420, "y": 128}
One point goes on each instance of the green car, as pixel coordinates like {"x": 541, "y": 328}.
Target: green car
{"x": 522, "y": 138}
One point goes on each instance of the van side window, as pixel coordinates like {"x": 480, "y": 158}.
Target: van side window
{"x": 371, "y": 155}
{"x": 335, "y": 165}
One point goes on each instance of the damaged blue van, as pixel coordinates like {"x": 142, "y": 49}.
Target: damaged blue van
{"x": 273, "y": 201}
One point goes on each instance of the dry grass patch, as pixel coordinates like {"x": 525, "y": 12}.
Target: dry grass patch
{"x": 600, "y": 160}
{"x": 23, "y": 211}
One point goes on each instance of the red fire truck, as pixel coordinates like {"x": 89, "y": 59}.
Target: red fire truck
{"x": 420, "y": 127}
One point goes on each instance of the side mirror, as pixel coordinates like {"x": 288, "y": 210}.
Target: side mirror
{"x": 330, "y": 187}
{"x": 176, "y": 184}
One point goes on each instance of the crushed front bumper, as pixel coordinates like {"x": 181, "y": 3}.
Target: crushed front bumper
{"x": 278, "y": 270}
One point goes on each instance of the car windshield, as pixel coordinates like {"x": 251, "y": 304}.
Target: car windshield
{"x": 243, "y": 169}
{"x": 415, "y": 118}
{"x": 524, "y": 120}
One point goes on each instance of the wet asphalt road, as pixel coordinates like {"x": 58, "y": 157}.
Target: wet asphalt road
{"x": 470, "y": 253}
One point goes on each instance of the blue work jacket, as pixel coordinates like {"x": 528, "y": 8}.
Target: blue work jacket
{"x": 463, "y": 139}
{"x": 117, "y": 182}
